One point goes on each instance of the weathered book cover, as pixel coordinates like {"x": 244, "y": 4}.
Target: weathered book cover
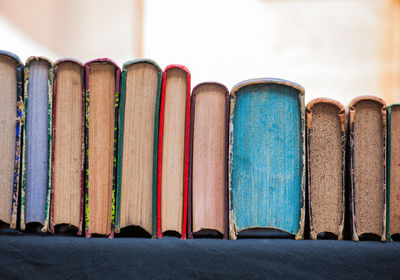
{"x": 393, "y": 173}
{"x": 267, "y": 158}
{"x": 141, "y": 91}
{"x": 326, "y": 145}
{"x": 37, "y": 130}
{"x": 185, "y": 163}
{"x": 367, "y": 132}
{"x": 87, "y": 67}
{"x": 67, "y": 161}
{"x": 210, "y": 154}
{"x": 15, "y": 133}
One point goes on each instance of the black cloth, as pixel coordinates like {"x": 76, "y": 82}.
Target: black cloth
{"x": 63, "y": 257}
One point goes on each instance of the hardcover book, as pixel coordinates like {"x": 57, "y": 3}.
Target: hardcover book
{"x": 102, "y": 99}
{"x": 35, "y": 189}
{"x": 267, "y": 159}
{"x": 137, "y": 147}
{"x": 173, "y": 152}
{"x": 11, "y": 118}
{"x": 367, "y": 128}
{"x": 68, "y": 153}
{"x": 326, "y": 145}
{"x": 208, "y": 161}
{"x": 393, "y": 171}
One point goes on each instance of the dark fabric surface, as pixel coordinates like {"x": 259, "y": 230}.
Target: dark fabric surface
{"x": 61, "y": 257}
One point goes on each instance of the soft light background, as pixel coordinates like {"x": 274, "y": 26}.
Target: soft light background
{"x": 334, "y": 48}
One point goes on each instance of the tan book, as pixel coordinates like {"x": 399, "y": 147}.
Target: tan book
{"x": 367, "y": 128}
{"x": 208, "y": 180}
{"x": 173, "y": 152}
{"x": 326, "y": 145}
{"x": 11, "y": 116}
{"x": 137, "y": 148}
{"x": 102, "y": 89}
{"x": 68, "y": 147}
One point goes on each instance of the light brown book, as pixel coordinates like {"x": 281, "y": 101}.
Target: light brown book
{"x": 367, "y": 128}
{"x": 11, "y": 115}
{"x": 102, "y": 89}
{"x": 68, "y": 147}
{"x": 326, "y": 144}
{"x": 137, "y": 145}
{"x": 173, "y": 152}
{"x": 208, "y": 182}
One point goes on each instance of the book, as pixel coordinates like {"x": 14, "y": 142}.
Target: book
{"x": 102, "y": 99}
{"x": 208, "y": 161}
{"x": 326, "y": 146}
{"x": 267, "y": 159}
{"x": 35, "y": 188}
{"x": 11, "y": 119}
{"x": 137, "y": 147}
{"x": 173, "y": 152}
{"x": 367, "y": 129}
{"x": 68, "y": 154}
{"x": 393, "y": 173}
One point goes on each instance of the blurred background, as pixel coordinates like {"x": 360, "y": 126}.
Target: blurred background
{"x": 334, "y": 48}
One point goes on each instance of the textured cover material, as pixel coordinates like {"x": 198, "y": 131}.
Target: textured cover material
{"x": 169, "y": 258}
{"x": 160, "y": 146}
{"x": 393, "y": 196}
{"x": 117, "y": 87}
{"x": 41, "y": 159}
{"x": 190, "y": 193}
{"x": 340, "y": 122}
{"x": 120, "y": 142}
{"x": 353, "y": 176}
{"x": 54, "y": 129}
{"x": 267, "y": 157}
{"x": 18, "y": 136}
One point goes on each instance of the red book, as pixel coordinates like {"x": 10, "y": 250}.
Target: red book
{"x": 173, "y": 152}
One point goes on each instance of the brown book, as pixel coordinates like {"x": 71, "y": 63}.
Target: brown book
{"x": 326, "y": 144}
{"x": 68, "y": 147}
{"x": 393, "y": 184}
{"x": 367, "y": 129}
{"x": 173, "y": 152}
{"x": 11, "y": 116}
{"x": 102, "y": 89}
{"x": 208, "y": 180}
{"x": 137, "y": 145}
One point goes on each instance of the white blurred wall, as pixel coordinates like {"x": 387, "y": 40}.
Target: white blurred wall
{"x": 330, "y": 47}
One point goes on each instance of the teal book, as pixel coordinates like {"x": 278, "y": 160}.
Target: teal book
{"x": 137, "y": 148}
{"x": 35, "y": 189}
{"x": 267, "y": 159}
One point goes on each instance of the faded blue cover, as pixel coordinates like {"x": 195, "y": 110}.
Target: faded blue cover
{"x": 267, "y": 157}
{"x": 37, "y": 142}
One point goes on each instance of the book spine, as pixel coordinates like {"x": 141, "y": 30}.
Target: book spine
{"x": 18, "y": 143}
{"x": 120, "y": 151}
{"x": 86, "y": 188}
{"x": 389, "y": 152}
{"x": 155, "y": 154}
{"x": 83, "y": 147}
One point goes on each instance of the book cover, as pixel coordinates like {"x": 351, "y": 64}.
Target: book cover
{"x": 37, "y": 130}
{"x": 101, "y": 135}
{"x": 139, "y": 111}
{"x": 68, "y": 149}
{"x": 367, "y": 142}
{"x": 208, "y": 161}
{"x": 12, "y": 114}
{"x": 326, "y": 146}
{"x": 267, "y": 159}
{"x": 393, "y": 172}
{"x": 173, "y": 152}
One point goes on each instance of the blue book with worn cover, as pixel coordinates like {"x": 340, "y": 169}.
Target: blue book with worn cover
{"x": 267, "y": 159}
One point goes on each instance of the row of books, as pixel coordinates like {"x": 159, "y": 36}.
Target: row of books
{"x": 102, "y": 151}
